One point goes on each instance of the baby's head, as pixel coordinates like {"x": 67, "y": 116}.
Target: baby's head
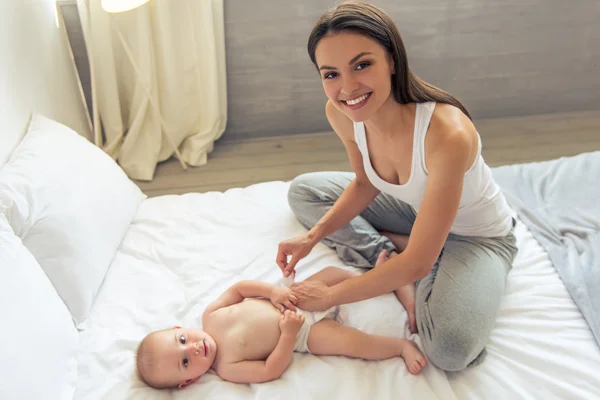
{"x": 175, "y": 357}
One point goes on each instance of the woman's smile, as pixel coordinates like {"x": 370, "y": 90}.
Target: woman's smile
{"x": 357, "y": 102}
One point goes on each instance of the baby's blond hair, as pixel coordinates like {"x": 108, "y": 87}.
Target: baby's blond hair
{"x": 147, "y": 364}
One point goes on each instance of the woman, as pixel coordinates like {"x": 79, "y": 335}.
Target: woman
{"x": 421, "y": 198}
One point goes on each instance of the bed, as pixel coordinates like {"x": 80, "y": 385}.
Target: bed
{"x": 100, "y": 265}
{"x": 89, "y": 265}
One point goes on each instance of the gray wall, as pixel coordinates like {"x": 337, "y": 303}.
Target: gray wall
{"x": 500, "y": 58}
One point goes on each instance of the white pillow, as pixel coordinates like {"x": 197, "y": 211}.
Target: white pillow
{"x": 38, "y": 341}
{"x": 71, "y": 204}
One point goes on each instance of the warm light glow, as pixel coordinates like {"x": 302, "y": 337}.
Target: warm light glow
{"x": 117, "y": 6}
{"x": 56, "y": 16}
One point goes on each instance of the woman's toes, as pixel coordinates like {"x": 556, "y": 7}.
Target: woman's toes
{"x": 381, "y": 258}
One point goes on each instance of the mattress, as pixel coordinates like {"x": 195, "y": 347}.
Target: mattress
{"x": 181, "y": 252}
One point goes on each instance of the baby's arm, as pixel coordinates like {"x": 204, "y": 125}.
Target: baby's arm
{"x": 247, "y": 289}
{"x": 240, "y": 291}
{"x": 277, "y": 362}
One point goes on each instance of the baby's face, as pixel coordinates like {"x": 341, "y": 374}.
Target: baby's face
{"x": 184, "y": 354}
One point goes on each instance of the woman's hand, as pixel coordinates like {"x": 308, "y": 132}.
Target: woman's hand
{"x": 298, "y": 248}
{"x": 283, "y": 298}
{"x": 312, "y": 296}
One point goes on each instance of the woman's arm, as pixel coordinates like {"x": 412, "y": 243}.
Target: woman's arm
{"x": 447, "y": 162}
{"x": 355, "y": 198}
{"x": 358, "y": 195}
{"x": 448, "y": 158}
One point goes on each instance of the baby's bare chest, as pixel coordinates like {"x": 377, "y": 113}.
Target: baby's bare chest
{"x": 245, "y": 331}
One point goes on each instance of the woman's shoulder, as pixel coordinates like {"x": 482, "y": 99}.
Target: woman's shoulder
{"x": 448, "y": 122}
{"x": 449, "y": 118}
{"x": 341, "y": 124}
{"x": 450, "y": 128}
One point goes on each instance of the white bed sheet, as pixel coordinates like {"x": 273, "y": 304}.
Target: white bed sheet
{"x": 181, "y": 252}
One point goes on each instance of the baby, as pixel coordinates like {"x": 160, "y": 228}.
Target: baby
{"x": 250, "y": 333}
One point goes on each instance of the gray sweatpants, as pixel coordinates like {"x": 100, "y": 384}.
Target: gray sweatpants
{"x": 456, "y": 304}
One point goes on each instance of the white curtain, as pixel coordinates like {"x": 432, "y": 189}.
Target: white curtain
{"x": 178, "y": 48}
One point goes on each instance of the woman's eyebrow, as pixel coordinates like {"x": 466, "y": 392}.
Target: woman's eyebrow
{"x": 354, "y": 59}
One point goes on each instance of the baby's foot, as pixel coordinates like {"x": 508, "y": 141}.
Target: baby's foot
{"x": 413, "y": 358}
{"x": 381, "y": 258}
{"x": 405, "y": 294}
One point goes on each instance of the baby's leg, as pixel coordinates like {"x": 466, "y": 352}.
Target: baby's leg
{"x": 332, "y": 275}
{"x": 406, "y": 293}
{"x": 329, "y": 338}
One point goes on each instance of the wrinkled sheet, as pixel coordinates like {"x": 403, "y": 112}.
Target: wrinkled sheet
{"x": 559, "y": 201}
{"x": 181, "y": 252}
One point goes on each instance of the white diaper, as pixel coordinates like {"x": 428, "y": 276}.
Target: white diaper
{"x": 311, "y": 318}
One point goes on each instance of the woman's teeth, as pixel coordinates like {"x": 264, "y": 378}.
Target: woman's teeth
{"x": 357, "y": 100}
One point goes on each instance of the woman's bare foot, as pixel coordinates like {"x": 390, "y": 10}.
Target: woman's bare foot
{"x": 400, "y": 241}
{"x": 413, "y": 358}
{"x": 405, "y": 294}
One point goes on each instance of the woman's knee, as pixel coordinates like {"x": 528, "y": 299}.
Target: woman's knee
{"x": 316, "y": 186}
{"x": 453, "y": 349}
{"x": 300, "y": 186}
{"x": 301, "y": 191}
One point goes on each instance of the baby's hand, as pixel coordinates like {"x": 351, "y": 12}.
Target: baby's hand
{"x": 291, "y": 322}
{"x": 283, "y": 298}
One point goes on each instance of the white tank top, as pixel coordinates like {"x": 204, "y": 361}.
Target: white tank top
{"x": 483, "y": 210}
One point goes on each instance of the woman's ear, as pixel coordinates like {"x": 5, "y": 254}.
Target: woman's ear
{"x": 187, "y": 382}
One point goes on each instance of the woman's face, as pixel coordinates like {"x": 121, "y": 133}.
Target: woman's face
{"x": 356, "y": 73}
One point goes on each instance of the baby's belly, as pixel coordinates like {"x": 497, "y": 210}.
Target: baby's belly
{"x": 252, "y": 330}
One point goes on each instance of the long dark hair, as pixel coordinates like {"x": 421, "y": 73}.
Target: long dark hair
{"x": 368, "y": 20}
